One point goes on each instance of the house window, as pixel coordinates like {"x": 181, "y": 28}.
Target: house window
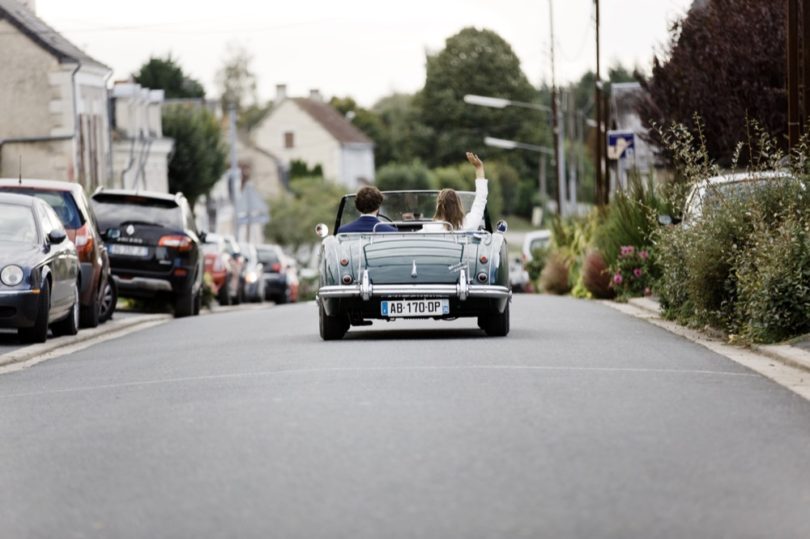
{"x": 289, "y": 139}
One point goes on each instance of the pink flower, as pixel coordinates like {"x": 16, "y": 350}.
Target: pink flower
{"x": 627, "y": 250}
{"x": 638, "y": 272}
{"x": 617, "y": 279}
{"x": 644, "y": 254}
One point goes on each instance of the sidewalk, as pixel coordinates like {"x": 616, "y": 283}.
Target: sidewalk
{"x": 795, "y": 354}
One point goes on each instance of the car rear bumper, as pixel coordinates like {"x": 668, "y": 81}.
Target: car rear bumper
{"x": 417, "y": 291}
{"x": 145, "y": 286}
{"x": 18, "y": 309}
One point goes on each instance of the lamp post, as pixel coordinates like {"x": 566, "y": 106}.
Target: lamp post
{"x": 501, "y": 103}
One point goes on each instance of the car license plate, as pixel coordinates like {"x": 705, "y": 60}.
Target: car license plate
{"x": 129, "y": 250}
{"x": 415, "y": 308}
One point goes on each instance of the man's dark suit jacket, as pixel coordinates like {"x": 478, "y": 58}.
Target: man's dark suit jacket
{"x": 365, "y": 224}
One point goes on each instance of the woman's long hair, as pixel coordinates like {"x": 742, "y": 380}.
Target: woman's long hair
{"x": 449, "y": 208}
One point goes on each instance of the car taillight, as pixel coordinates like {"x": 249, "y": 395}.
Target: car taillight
{"x": 276, "y": 268}
{"x": 181, "y": 243}
{"x": 84, "y": 241}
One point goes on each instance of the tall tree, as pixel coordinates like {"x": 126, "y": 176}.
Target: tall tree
{"x": 725, "y": 63}
{"x": 476, "y": 62}
{"x": 166, "y": 74}
{"x": 200, "y": 156}
{"x": 236, "y": 80}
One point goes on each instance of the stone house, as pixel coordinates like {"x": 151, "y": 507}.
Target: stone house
{"x": 312, "y": 131}
{"x": 53, "y": 103}
{"x": 140, "y": 151}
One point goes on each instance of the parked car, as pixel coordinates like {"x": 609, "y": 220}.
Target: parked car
{"x": 74, "y": 210}
{"x": 40, "y": 273}
{"x": 254, "y": 273}
{"x": 274, "y": 273}
{"x": 222, "y": 268}
{"x": 519, "y": 278}
{"x": 154, "y": 246}
{"x": 532, "y": 241}
{"x": 412, "y": 273}
{"x": 233, "y": 249}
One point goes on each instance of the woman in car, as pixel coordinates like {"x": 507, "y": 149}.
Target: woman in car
{"x": 450, "y": 209}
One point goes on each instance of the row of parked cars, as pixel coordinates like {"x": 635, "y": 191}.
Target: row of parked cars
{"x": 65, "y": 258}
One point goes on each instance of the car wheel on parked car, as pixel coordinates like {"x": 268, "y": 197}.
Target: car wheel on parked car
{"x": 70, "y": 325}
{"x": 109, "y": 297}
{"x": 90, "y": 315}
{"x": 39, "y": 331}
{"x": 184, "y": 304}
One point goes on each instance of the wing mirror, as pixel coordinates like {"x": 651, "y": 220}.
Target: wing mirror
{"x": 111, "y": 234}
{"x": 56, "y": 237}
{"x": 322, "y": 230}
{"x": 202, "y": 234}
{"x": 502, "y": 226}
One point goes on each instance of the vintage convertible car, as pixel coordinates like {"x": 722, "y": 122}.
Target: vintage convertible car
{"x": 412, "y": 273}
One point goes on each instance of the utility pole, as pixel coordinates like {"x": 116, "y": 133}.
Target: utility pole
{"x": 556, "y": 124}
{"x": 600, "y": 174}
{"x": 234, "y": 179}
{"x": 793, "y": 76}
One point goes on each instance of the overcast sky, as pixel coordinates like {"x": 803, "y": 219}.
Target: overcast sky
{"x": 363, "y": 48}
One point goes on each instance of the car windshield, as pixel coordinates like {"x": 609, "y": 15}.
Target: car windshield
{"x": 267, "y": 255}
{"x": 17, "y": 224}
{"x": 210, "y": 248}
{"x": 404, "y": 206}
{"x": 61, "y": 201}
{"x": 112, "y": 212}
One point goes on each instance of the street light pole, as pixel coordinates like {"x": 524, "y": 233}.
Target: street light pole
{"x": 600, "y": 178}
{"x": 555, "y": 125}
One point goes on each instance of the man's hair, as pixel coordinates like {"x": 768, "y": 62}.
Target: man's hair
{"x": 368, "y": 199}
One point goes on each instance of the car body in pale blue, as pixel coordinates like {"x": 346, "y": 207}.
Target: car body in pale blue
{"x": 411, "y": 273}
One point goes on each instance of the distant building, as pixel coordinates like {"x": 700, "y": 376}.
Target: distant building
{"x": 309, "y": 130}
{"x": 140, "y": 151}
{"x": 53, "y": 103}
{"x": 624, "y": 118}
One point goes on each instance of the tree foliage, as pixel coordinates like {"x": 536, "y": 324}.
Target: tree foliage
{"x": 200, "y": 156}
{"x": 236, "y": 81}
{"x": 166, "y": 74}
{"x": 476, "y": 62}
{"x": 726, "y": 63}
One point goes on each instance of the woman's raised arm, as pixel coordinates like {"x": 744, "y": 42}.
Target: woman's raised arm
{"x": 476, "y": 214}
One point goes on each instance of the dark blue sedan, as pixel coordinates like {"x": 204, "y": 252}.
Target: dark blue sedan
{"x": 39, "y": 270}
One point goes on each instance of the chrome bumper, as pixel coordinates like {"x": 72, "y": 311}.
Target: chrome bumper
{"x": 461, "y": 290}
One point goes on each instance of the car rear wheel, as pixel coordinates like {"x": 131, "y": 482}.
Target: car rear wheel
{"x": 90, "y": 315}
{"x": 495, "y": 325}
{"x": 224, "y": 295}
{"x": 39, "y": 331}
{"x": 184, "y": 304}
{"x": 332, "y": 328}
{"x": 70, "y": 325}
{"x": 109, "y": 297}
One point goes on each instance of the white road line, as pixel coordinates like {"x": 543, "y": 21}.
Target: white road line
{"x": 259, "y": 374}
{"x": 796, "y": 380}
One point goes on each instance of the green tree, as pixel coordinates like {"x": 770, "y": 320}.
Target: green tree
{"x": 477, "y": 62}
{"x": 366, "y": 121}
{"x": 200, "y": 156}
{"x": 404, "y": 137}
{"x": 399, "y": 176}
{"x": 166, "y": 74}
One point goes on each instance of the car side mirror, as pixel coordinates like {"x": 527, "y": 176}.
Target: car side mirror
{"x": 322, "y": 230}
{"x": 111, "y": 234}
{"x": 202, "y": 234}
{"x": 56, "y": 237}
{"x": 502, "y": 226}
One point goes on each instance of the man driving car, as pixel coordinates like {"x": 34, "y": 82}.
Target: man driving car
{"x": 367, "y": 201}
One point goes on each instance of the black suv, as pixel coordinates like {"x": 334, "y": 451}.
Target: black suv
{"x": 154, "y": 246}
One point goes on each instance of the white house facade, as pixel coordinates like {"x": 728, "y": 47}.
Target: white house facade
{"x": 309, "y": 130}
{"x": 140, "y": 151}
{"x": 53, "y": 103}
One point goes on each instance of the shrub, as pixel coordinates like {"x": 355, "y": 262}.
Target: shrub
{"x": 630, "y": 275}
{"x": 596, "y": 275}
{"x": 556, "y": 274}
{"x": 396, "y": 176}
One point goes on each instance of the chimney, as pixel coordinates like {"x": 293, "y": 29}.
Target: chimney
{"x": 30, "y": 4}
{"x": 315, "y": 95}
{"x": 281, "y": 92}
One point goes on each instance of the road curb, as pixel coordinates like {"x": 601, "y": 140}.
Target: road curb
{"x": 55, "y": 343}
{"x": 784, "y": 353}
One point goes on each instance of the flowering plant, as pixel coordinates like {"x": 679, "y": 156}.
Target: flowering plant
{"x": 630, "y": 274}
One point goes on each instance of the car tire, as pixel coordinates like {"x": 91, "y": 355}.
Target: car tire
{"x": 90, "y": 315}
{"x": 198, "y": 302}
{"x": 495, "y": 325}
{"x": 70, "y": 324}
{"x": 281, "y": 299}
{"x": 224, "y": 295}
{"x": 108, "y": 300}
{"x": 39, "y": 331}
{"x": 184, "y": 304}
{"x": 332, "y": 328}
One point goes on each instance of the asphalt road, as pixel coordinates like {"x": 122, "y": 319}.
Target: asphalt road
{"x": 582, "y": 423}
